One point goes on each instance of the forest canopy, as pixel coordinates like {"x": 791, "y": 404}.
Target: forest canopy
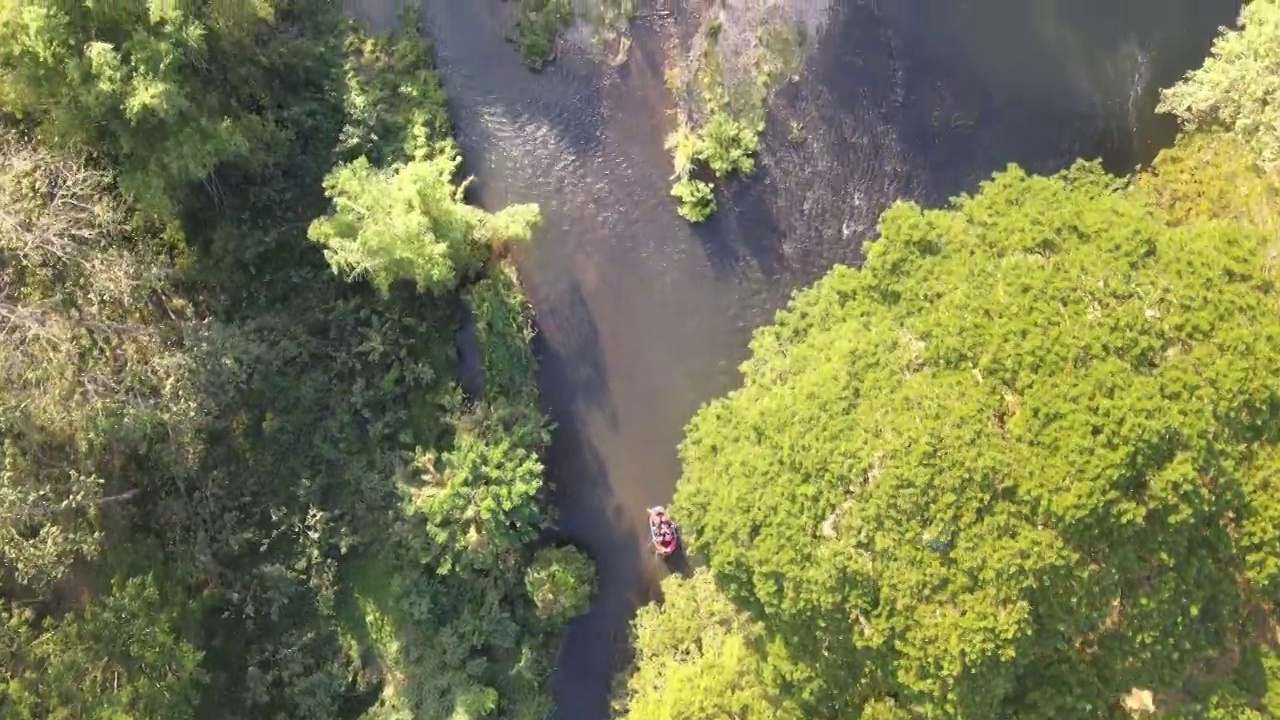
{"x": 161, "y": 88}
{"x": 1020, "y": 463}
{"x": 236, "y": 480}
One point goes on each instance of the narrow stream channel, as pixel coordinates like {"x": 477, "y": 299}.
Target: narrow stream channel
{"x": 643, "y": 317}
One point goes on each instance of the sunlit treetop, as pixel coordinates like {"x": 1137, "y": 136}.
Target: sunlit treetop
{"x": 1020, "y": 463}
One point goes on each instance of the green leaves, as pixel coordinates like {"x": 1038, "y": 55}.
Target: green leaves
{"x": 561, "y": 582}
{"x": 538, "y": 27}
{"x": 1235, "y": 88}
{"x": 486, "y": 504}
{"x": 1017, "y": 465}
{"x": 119, "y": 658}
{"x": 395, "y": 105}
{"x": 409, "y": 222}
{"x": 504, "y": 330}
{"x": 131, "y": 83}
{"x": 724, "y": 146}
{"x": 699, "y": 657}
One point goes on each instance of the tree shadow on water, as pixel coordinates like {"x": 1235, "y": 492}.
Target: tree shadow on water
{"x": 744, "y": 233}
{"x": 591, "y": 517}
{"x": 575, "y": 392}
{"x": 573, "y": 373}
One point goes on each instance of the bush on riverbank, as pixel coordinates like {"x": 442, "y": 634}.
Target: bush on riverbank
{"x": 203, "y": 426}
{"x": 504, "y": 331}
{"x": 395, "y": 105}
{"x": 538, "y": 27}
{"x": 699, "y": 653}
{"x": 561, "y": 581}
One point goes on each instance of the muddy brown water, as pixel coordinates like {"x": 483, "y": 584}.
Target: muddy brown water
{"x": 643, "y": 317}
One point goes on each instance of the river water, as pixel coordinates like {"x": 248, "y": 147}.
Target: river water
{"x": 643, "y": 317}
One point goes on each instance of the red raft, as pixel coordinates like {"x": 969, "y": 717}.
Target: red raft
{"x": 662, "y": 532}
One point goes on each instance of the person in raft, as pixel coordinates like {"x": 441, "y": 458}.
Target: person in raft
{"x": 665, "y": 531}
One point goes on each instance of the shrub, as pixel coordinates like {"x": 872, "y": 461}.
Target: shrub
{"x": 561, "y": 582}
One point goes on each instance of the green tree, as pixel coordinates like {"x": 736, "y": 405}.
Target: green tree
{"x": 1235, "y": 88}
{"x": 144, "y": 81}
{"x": 120, "y": 658}
{"x": 409, "y": 222}
{"x": 1020, "y": 463}
{"x": 482, "y": 503}
{"x": 699, "y": 657}
{"x": 561, "y": 582}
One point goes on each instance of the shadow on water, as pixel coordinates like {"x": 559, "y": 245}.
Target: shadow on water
{"x": 642, "y": 317}
{"x": 575, "y": 356}
{"x": 742, "y": 239}
{"x": 587, "y": 652}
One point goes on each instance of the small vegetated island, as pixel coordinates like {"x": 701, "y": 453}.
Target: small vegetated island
{"x": 1022, "y": 464}
{"x": 540, "y": 25}
{"x": 742, "y": 51}
{"x": 238, "y": 477}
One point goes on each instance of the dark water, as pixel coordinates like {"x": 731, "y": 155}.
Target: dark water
{"x": 643, "y": 317}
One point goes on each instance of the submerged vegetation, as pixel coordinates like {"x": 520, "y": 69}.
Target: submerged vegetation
{"x": 740, "y": 55}
{"x": 539, "y": 24}
{"x": 1020, "y": 464}
{"x": 239, "y": 480}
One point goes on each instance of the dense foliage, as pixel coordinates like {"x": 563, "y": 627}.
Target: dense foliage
{"x": 561, "y": 582}
{"x": 698, "y": 656}
{"x": 160, "y": 88}
{"x": 1235, "y": 91}
{"x": 234, "y": 482}
{"x": 408, "y": 222}
{"x": 1018, "y": 465}
{"x": 1021, "y": 464}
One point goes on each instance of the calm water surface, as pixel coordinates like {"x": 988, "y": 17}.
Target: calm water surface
{"x": 643, "y": 317}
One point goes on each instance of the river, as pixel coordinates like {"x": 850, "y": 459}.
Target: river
{"x": 643, "y": 317}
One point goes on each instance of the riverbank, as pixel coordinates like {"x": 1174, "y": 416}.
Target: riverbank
{"x": 419, "y": 608}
